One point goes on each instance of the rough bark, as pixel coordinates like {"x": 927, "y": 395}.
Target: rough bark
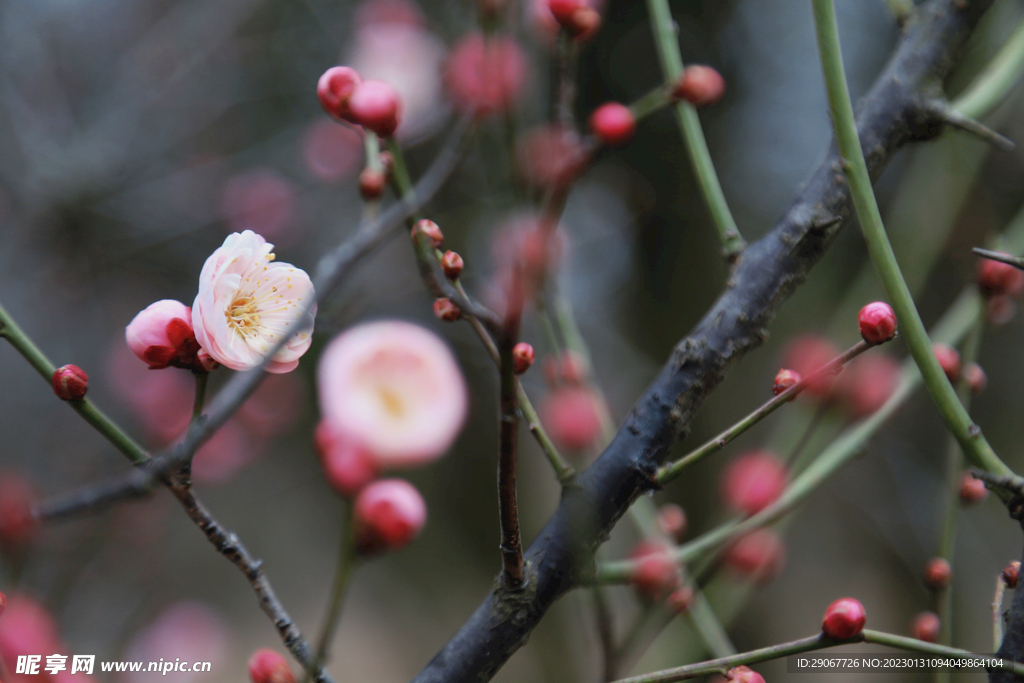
{"x": 893, "y": 113}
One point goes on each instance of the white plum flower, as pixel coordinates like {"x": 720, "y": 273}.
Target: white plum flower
{"x": 394, "y": 390}
{"x": 248, "y": 302}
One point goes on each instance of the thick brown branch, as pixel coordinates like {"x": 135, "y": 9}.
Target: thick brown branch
{"x": 893, "y": 113}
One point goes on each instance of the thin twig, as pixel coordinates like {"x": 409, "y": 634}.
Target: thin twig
{"x": 969, "y": 125}
{"x": 997, "y": 613}
{"x": 508, "y": 506}
{"x": 1009, "y": 259}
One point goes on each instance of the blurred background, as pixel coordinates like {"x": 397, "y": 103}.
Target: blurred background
{"x": 134, "y": 136}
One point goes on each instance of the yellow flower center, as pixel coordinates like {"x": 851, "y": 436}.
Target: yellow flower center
{"x": 392, "y": 402}
{"x": 243, "y": 315}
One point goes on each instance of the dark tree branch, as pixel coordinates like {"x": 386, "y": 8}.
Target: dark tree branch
{"x": 893, "y": 113}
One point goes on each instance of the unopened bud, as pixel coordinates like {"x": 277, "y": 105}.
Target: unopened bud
{"x": 267, "y": 666}
{"x": 877, "y": 322}
{"x": 949, "y": 360}
{"x": 937, "y": 573}
{"x": 613, "y": 124}
{"x": 522, "y": 357}
{"x": 1011, "y": 573}
{"x": 926, "y": 627}
{"x": 372, "y": 183}
{"x": 699, "y": 85}
{"x": 785, "y": 379}
{"x": 672, "y": 521}
{"x": 446, "y": 310}
{"x": 976, "y": 378}
{"x": 844, "y": 618}
{"x": 70, "y": 383}
{"x": 452, "y": 264}
{"x": 430, "y": 230}
{"x": 743, "y": 674}
{"x": 388, "y": 514}
{"x": 972, "y": 490}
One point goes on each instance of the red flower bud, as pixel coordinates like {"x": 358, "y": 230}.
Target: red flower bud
{"x": 334, "y": 90}
{"x": 972, "y": 490}
{"x": 568, "y": 368}
{"x": 877, "y": 322}
{"x": 571, "y": 418}
{"x": 937, "y": 573}
{"x": 372, "y": 183}
{"x": 445, "y": 310}
{"x": 997, "y": 278}
{"x": 672, "y": 521}
{"x": 699, "y": 85}
{"x": 388, "y": 514}
{"x": 522, "y": 357}
{"x": 375, "y": 106}
{"x": 267, "y": 666}
{"x": 868, "y": 382}
{"x": 577, "y": 17}
{"x": 949, "y": 360}
{"x": 785, "y": 379}
{"x": 70, "y": 383}
{"x": 1011, "y": 573}
{"x": 926, "y": 627}
{"x": 743, "y": 674}
{"x": 655, "y": 572}
{"x": 613, "y": 124}
{"x": 430, "y": 230}
{"x": 452, "y": 264}
{"x": 844, "y": 619}
{"x": 348, "y": 466}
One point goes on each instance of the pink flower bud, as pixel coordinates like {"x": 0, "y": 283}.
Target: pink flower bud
{"x": 335, "y": 89}
{"x": 758, "y": 556}
{"x": 161, "y": 335}
{"x": 844, "y": 619}
{"x": 743, "y": 674}
{"x": 452, "y": 265}
{"x": 926, "y": 627}
{"x": 571, "y": 418}
{"x": 1011, "y": 573}
{"x": 577, "y": 17}
{"x": 375, "y": 106}
{"x": 430, "y": 230}
{"x": 785, "y": 379}
{"x": 655, "y": 572}
{"x": 267, "y": 666}
{"x": 446, "y": 310}
{"x": 613, "y": 124}
{"x": 972, "y": 490}
{"x": 699, "y": 85}
{"x": 485, "y": 75}
{"x": 672, "y": 521}
{"x": 372, "y": 183}
{"x": 949, "y": 360}
{"x": 348, "y": 466}
{"x": 70, "y": 383}
{"x": 976, "y": 378}
{"x": 522, "y": 357}
{"x": 388, "y": 514}
{"x": 679, "y": 600}
{"x": 753, "y": 481}
{"x": 997, "y": 278}
{"x": 16, "y": 497}
{"x": 805, "y": 355}
{"x": 877, "y": 322}
{"x": 868, "y": 382}
{"x": 937, "y": 573}
{"x": 395, "y": 390}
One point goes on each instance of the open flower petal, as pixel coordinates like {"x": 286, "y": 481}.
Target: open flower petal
{"x": 247, "y": 302}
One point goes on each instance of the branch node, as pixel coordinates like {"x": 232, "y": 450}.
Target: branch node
{"x": 948, "y": 115}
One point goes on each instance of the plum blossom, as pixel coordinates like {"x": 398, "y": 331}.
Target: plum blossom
{"x": 394, "y": 389}
{"x": 247, "y": 302}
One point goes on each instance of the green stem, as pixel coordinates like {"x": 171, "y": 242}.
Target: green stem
{"x": 1009, "y": 259}
{"x": 371, "y": 148}
{"x": 669, "y": 472}
{"x": 200, "y": 395}
{"x": 997, "y": 614}
{"x": 400, "y": 173}
{"x": 914, "y": 645}
{"x": 342, "y": 574}
{"x": 10, "y": 331}
{"x": 996, "y": 80}
{"x": 653, "y": 101}
{"x": 848, "y": 444}
{"x": 956, "y": 418}
{"x": 693, "y": 136}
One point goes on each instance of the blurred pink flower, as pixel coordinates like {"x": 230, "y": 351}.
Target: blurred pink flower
{"x": 261, "y": 200}
{"x": 348, "y": 466}
{"x": 401, "y": 12}
{"x": 409, "y": 58}
{"x": 395, "y": 389}
{"x": 246, "y": 302}
{"x": 26, "y": 628}
{"x": 331, "y": 151}
{"x": 486, "y": 76}
{"x": 188, "y": 631}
